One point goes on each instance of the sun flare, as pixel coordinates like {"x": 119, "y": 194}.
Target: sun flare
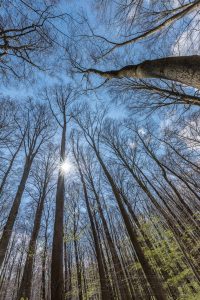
{"x": 66, "y": 166}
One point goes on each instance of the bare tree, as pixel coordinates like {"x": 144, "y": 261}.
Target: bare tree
{"x": 59, "y": 99}
{"x": 37, "y": 123}
{"x": 92, "y": 134}
{"x": 41, "y": 176}
{"x": 27, "y": 32}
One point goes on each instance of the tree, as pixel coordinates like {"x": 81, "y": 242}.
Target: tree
{"x": 38, "y": 132}
{"x": 27, "y": 33}
{"x": 105, "y": 292}
{"x": 91, "y": 133}
{"x": 42, "y": 176}
{"x": 142, "y": 23}
{"x": 61, "y": 98}
{"x": 183, "y": 69}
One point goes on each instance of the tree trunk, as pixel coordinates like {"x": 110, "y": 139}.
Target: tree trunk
{"x": 154, "y": 281}
{"x": 7, "y": 231}
{"x": 183, "y": 69}
{"x": 3, "y": 182}
{"x": 105, "y": 293}
{"x": 57, "y": 277}
{"x": 78, "y": 270}
{"x": 68, "y": 271}
{"x": 25, "y": 286}
{"x": 121, "y": 279}
{"x": 44, "y": 255}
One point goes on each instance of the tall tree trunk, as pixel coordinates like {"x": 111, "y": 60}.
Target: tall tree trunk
{"x": 78, "y": 270}
{"x": 7, "y": 230}
{"x": 112, "y": 290}
{"x": 20, "y": 265}
{"x": 68, "y": 271}
{"x": 183, "y": 69}
{"x": 3, "y": 182}
{"x": 105, "y": 293}
{"x": 44, "y": 255}
{"x": 25, "y": 286}
{"x": 121, "y": 279}
{"x": 57, "y": 276}
{"x": 154, "y": 281}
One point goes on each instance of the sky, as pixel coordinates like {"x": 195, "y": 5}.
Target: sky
{"x": 182, "y": 44}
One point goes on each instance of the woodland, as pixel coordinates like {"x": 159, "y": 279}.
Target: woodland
{"x": 99, "y": 150}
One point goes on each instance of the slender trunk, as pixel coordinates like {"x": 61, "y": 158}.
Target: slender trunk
{"x": 105, "y": 263}
{"x": 3, "y": 182}
{"x": 66, "y": 267}
{"x": 154, "y": 281}
{"x": 189, "y": 215}
{"x": 68, "y": 272}
{"x": 25, "y": 286}
{"x": 121, "y": 279}
{"x": 84, "y": 279}
{"x": 171, "y": 223}
{"x": 78, "y": 270}
{"x": 7, "y": 230}
{"x": 8, "y": 279}
{"x": 105, "y": 293}
{"x": 20, "y": 265}
{"x": 146, "y": 238}
{"x": 6, "y": 260}
{"x": 44, "y": 255}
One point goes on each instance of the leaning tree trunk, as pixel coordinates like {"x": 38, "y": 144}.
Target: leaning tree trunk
{"x": 26, "y": 282}
{"x": 3, "y": 182}
{"x": 7, "y": 231}
{"x": 57, "y": 278}
{"x": 121, "y": 279}
{"x": 183, "y": 69}
{"x": 170, "y": 222}
{"x": 153, "y": 280}
{"x": 105, "y": 293}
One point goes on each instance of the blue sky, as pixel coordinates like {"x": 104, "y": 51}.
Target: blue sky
{"x": 129, "y": 54}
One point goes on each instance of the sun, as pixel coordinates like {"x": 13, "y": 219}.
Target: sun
{"x": 66, "y": 166}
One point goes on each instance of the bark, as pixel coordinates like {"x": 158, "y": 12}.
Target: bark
{"x": 8, "y": 279}
{"x": 7, "y": 231}
{"x": 5, "y": 265}
{"x": 57, "y": 277}
{"x": 183, "y": 69}
{"x": 26, "y": 282}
